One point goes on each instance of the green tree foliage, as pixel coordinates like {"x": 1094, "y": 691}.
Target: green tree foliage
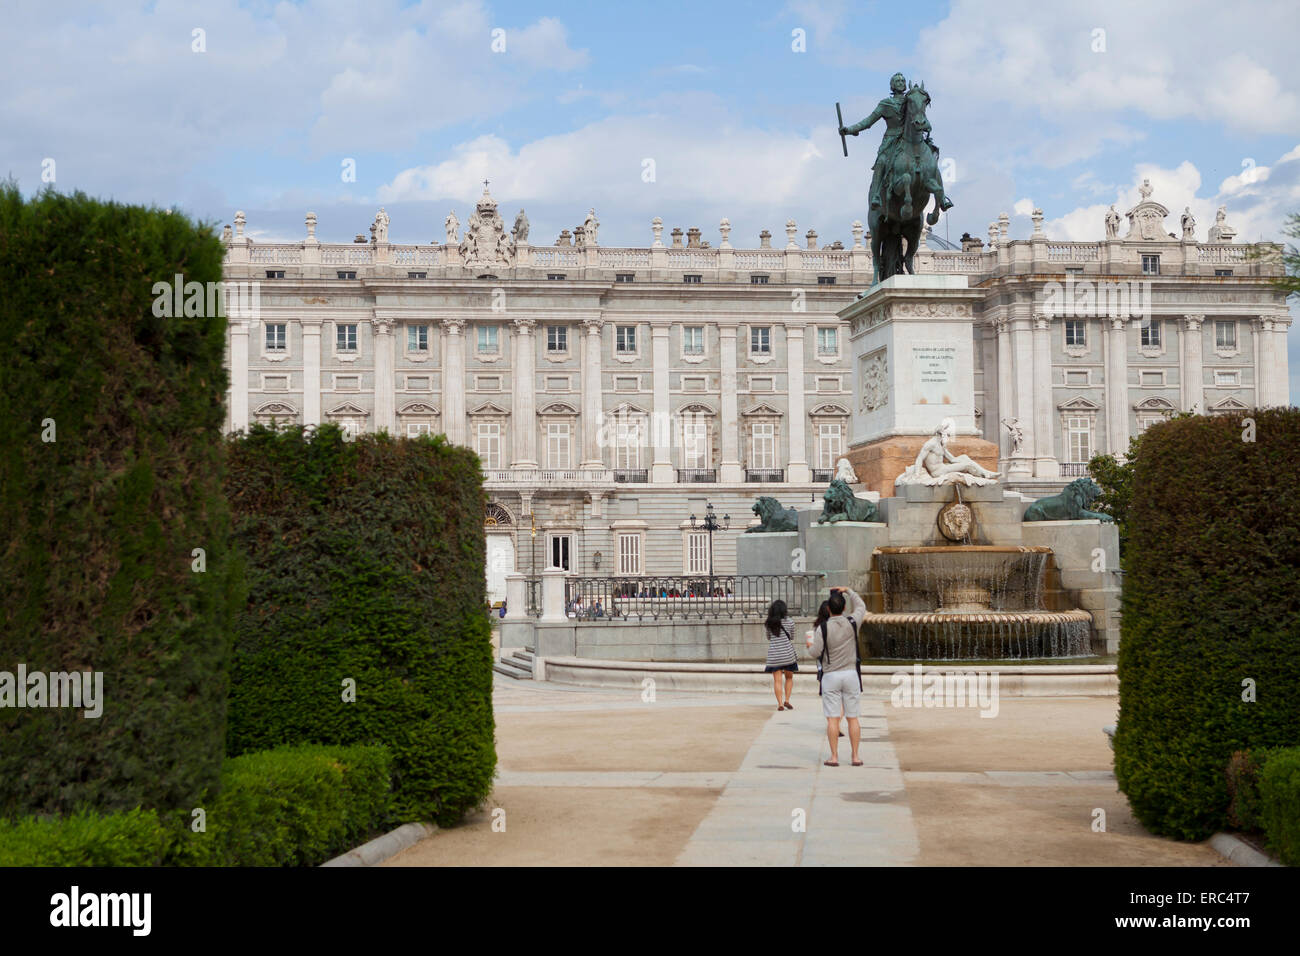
{"x": 365, "y": 570}
{"x": 1209, "y": 657}
{"x": 111, "y": 458}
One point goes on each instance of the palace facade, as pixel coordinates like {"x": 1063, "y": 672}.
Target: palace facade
{"x": 615, "y": 393}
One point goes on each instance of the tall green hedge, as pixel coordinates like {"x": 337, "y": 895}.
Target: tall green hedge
{"x": 1211, "y": 609}
{"x": 365, "y": 564}
{"x": 111, "y": 458}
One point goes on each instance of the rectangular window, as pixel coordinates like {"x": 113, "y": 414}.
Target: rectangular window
{"x": 275, "y": 383}
{"x": 695, "y": 445}
{"x": 487, "y": 339}
{"x": 693, "y": 340}
{"x": 347, "y": 275}
{"x": 416, "y": 429}
{"x": 1223, "y": 272}
{"x": 760, "y": 384}
{"x": 828, "y": 341}
{"x": 417, "y": 275}
{"x": 417, "y": 338}
{"x": 1150, "y": 265}
{"x": 627, "y": 444}
{"x": 275, "y": 338}
{"x": 557, "y": 383}
{"x": 1074, "y": 270}
{"x": 694, "y": 384}
{"x": 828, "y": 444}
{"x": 629, "y": 554}
{"x": 345, "y": 338}
{"x": 692, "y": 279}
{"x": 487, "y": 383}
{"x": 561, "y": 546}
{"x": 275, "y": 273}
{"x": 555, "y": 276}
{"x": 1076, "y": 332}
{"x": 347, "y": 383}
{"x": 488, "y": 444}
{"x": 697, "y": 552}
{"x": 1225, "y": 334}
{"x": 1078, "y": 432}
{"x": 1152, "y": 378}
{"x": 626, "y": 384}
{"x": 758, "y": 280}
{"x": 625, "y": 338}
{"x": 760, "y": 340}
{"x": 763, "y": 439}
{"x": 625, "y": 277}
{"x": 557, "y": 445}
{"x": 1151, "y": 333}
{"x": 557, "y": 338}
{"x": 828, "y": 384}
{"x": 825, "y": 280}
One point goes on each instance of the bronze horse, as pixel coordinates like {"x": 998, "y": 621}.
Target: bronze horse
{"x": 911, "y": 178}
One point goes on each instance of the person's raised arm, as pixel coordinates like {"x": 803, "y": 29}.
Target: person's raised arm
{"x": 857, "y": 608}
{"x": 867, "y": 123}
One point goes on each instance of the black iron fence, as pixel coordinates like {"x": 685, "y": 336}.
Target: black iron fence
{"x": 690, "y": 597}
{"x": 633, "y": 475}
{"x": 764, "y": 474}
{"x": 1074, "y": 469}
{"x": 823, "y": 475}
{"x": 698, "y": 475}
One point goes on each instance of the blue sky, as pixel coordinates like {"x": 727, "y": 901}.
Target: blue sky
{"x": 1063, "y": 106}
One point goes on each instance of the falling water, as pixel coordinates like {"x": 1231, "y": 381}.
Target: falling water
{"x": 963, "y": 603}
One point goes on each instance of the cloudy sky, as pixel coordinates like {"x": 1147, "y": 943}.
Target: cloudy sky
{"x": 564, "y": 106}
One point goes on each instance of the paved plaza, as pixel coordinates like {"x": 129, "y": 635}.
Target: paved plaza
{"x": 602, "y": 777}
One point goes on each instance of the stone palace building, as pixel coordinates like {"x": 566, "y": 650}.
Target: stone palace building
{"x": 614, "y": 393}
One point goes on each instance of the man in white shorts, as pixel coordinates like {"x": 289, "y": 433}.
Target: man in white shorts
{"x": 841, "y": 683}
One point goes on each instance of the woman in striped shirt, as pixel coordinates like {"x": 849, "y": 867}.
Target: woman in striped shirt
{"x": 781, "y": 659}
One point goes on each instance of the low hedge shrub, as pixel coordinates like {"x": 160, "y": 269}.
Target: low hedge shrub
{"x": 84, "y": 838}
{"x": 1279, "y": 804}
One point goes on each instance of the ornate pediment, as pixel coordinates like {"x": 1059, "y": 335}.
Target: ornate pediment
{"x": 1146, "y": 220}
{"x": 1079, "y": 404}
{"x": 1228, "y": 404}
{"x": 1155, "y": 405}
{"x": 417, "y": 408}
{"x": 763, "y": 410}
{"x": 627, "y": 410}
{"x": 276, "y": 408}
{"x": 489, "y": 408}
{"x": 558, "y": 408}
{"x": 696, "y": 408}
{"x": 830, "y": 408}
{"x": 347, "y": 410}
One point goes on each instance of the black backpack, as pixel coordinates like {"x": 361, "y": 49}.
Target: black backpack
{"x": 826, "y": 654}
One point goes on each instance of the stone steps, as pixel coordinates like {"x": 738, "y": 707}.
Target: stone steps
{"x": 518, "y": 665}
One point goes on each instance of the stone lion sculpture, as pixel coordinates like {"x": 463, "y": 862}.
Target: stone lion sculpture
{"x": 840, "y": 504}
{"x": 1070, "y": 505}
{"x": 774, "y": 516}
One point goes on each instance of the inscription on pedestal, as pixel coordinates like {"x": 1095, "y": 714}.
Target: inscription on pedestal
{"x": 934, "y": 367}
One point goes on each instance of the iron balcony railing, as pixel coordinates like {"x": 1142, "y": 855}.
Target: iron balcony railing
{"x": 633, "y": 475}
{"x": 820, "y": 475}
{"x": 1074, "y": 469}
{"x": 764, "y": 474}
{"x": 696, "y": 597}
{"x": 697, "y": 475}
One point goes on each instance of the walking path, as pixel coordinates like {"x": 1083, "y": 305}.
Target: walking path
{"x": 593, "y": 776}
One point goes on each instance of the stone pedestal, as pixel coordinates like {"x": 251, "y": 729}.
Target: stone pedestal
{"x": 843, "y": 551}
{"x": 913, "y": 366}
{"x": 766, "y": 552}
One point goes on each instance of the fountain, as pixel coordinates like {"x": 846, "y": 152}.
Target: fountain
{"x": 969, "y": 602}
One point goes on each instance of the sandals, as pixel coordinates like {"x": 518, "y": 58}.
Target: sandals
{"x": 789, "y": 706}
{"x": 829, "y": 764}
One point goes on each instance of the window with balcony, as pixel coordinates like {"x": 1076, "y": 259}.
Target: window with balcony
{"x": 762, "y": 445}
{"x": 1078, "y": 436}
{"x": 487, "y": 442}
{"x": 558, "y": 446}
{"x": 829, "y": 442}
{"x": 627, "y": 445}
{"x": 695, "y": 445}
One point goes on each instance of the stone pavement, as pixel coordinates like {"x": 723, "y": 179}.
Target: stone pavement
{"x": 597, "y": 776}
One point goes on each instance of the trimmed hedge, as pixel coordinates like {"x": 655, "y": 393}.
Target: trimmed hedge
{"x": 1279, "y": 804}
{"x": 1210, "y": 604}
{"x": 97, "y": 526}
{"x": 132, "y": 838}
{"x": 365, "y": 564}
{"x": 293, "y": 806}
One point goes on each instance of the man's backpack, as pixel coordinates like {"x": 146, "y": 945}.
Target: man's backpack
{"x": 825, "y": 657}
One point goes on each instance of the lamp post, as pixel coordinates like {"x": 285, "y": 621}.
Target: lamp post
{"x": 710, "y": 524}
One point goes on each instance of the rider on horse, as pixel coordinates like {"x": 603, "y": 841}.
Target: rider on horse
{"x": 893, "y": 110}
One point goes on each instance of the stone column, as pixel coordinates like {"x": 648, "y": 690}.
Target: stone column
{"x": 524, "y": 413}
{"x": 453, "y": 380}
{"x": 1117, "y": 387}
{"x": 593, "y": 453}
{"x": 798, "y": 460}
{"x": 1022, "y": 371}
{"x": 661, "y": 425}
{"x": 239, "y": 329}
{"x": 730, "y": 470}
{"x": 1006, "y": 393}
{"x": 1281, "y": 380}
{"x": 385, "y": 399}
{"x": 1045, "y": 461}
{"x": 311, "y": 371}
{"x": 1191, "y": 374}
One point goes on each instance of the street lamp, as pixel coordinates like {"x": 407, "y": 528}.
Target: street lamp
{"x": 710, "y": 524}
